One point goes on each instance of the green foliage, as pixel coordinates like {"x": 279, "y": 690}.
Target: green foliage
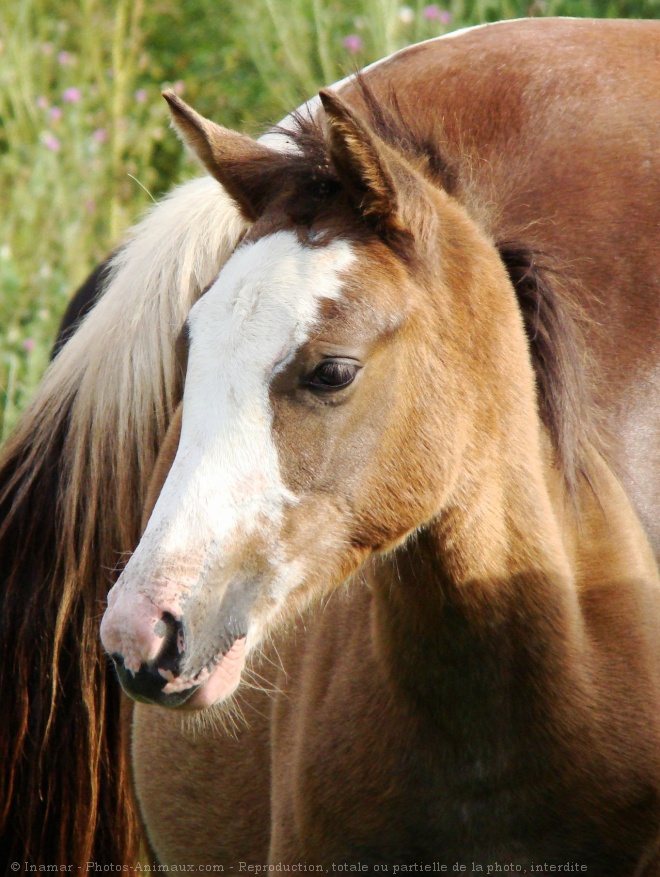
{"x": 84, "y": 140}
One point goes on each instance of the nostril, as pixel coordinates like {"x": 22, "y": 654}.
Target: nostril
{"x": 168, "y": 626}
{"x": 172, "y": 651}
{"x": 166, "y": 652}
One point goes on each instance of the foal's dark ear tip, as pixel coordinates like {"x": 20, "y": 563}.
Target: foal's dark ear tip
{"x": 331, "y": 103}
{"x": 175, "y": 103}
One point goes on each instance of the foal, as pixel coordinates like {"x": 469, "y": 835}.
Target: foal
{"x": 361, "y": 404}
{"x": 540, "y": 135}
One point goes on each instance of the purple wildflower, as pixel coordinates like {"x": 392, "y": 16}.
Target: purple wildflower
{"x": 42, "y": 102}
{"x": 51, "y": 142}
{"x": 353, "y": 43}
{"x": 71, "y": 95}
{"x": 434, "y": 13}
{"x": 55, "y": 113}
{"x": 140, "y": 95}
{"x": 100, "y": 135}
{"x": 64, "y": 59}
{"x": 29, "y": 344}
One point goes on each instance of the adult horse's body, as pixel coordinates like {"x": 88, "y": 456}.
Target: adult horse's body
{"x": 486, "y": 688}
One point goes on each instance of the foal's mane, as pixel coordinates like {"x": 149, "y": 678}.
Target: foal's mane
{"x": 552, "y": 321}
{"x": 559, "y": 357}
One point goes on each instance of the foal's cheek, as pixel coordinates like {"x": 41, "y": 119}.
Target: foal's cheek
{"x": 306, "y": 447}
{"x": 345, "y": 463}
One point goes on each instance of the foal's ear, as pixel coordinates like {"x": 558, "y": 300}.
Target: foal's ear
{"x": 236, "y": 161}
{"x": 373, "y": 175}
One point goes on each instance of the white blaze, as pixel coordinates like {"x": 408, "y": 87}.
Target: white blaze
{"x": 225, "y": 478}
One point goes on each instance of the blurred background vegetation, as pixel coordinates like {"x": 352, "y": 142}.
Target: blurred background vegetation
{"x": 84, "y": 139}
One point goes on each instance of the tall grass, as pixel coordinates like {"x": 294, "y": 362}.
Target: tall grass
{"x": 73, "y": 135}
{"x": 84, "y": 144}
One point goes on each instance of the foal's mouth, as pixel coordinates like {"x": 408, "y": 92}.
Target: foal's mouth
{"x": 214, "y": 682}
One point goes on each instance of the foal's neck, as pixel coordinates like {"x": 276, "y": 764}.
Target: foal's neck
{"x": 481, "y": 608}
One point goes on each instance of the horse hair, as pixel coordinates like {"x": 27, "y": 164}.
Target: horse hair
{"x": 558, "y": 357}
{"x": 40, "y": 747}
{"x": 73, "y": 477}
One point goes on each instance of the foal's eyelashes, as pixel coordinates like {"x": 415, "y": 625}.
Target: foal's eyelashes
{"x": 332, "y": 374}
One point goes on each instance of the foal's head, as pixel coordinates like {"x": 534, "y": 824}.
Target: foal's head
{"x": 340, "y": 372}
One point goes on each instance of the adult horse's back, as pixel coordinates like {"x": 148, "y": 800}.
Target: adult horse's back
{"x": 546, "y": 133}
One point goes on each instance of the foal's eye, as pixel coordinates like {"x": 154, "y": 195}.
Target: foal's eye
{"x": 333, "y": 374}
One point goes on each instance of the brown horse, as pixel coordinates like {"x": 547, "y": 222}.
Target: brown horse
{"x": 444, "y": 297}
